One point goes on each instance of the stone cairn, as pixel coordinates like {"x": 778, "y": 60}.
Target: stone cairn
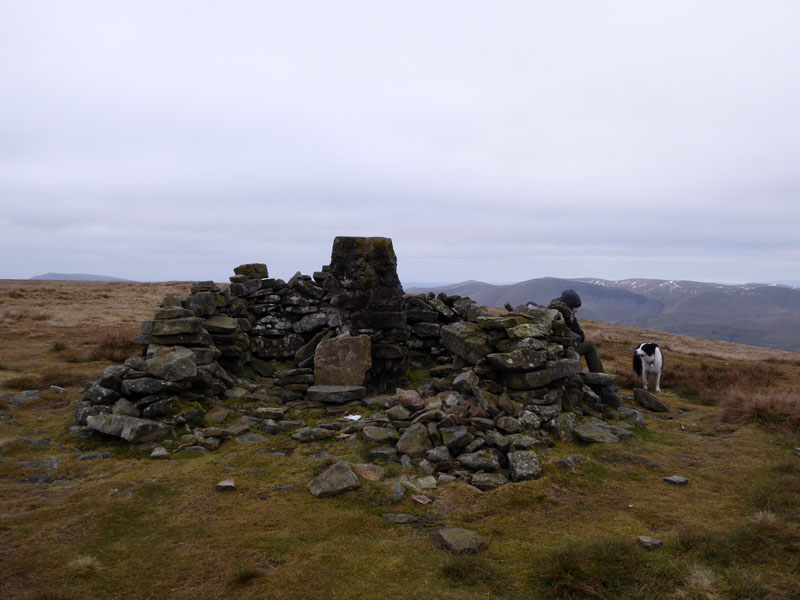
{"x": 498, "y": 387}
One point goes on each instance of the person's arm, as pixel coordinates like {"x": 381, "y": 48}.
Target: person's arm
{"x": 576, "y": 328}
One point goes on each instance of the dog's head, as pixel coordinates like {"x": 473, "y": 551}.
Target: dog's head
{"x": 644, "y": 353}
{"x": 646, "y": 349}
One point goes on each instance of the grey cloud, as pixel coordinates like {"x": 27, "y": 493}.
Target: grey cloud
{"x": 486, "y": 141}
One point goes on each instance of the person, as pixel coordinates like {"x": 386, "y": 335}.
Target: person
{"x": 568, "y": 304}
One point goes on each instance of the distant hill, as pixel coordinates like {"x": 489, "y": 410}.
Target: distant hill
{"x": 76, "y": 277}
{"x": 754, "y": 314}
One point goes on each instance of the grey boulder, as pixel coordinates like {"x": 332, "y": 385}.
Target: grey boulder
{"x": 336, "y": 480}
{"x": 131, "y": 429}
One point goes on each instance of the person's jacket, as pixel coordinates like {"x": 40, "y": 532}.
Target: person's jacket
{"x": 569, "y": 318}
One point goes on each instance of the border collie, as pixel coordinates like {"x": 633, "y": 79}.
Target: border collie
{"x": 648, "y": 360}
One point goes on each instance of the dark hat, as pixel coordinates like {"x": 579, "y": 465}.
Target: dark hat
{"x": 570, "y": 298}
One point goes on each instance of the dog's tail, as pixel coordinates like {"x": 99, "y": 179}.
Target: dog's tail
{"x": 637, "y": 363}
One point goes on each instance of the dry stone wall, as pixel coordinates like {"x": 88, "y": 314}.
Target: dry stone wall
{"x": 498, "y": 387}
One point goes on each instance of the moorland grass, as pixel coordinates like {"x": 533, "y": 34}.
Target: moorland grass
{"x": 139, "y": 529}
{"x": 778, "y": 408}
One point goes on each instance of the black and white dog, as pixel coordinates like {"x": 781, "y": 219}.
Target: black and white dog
{"x": 648, "y": 360}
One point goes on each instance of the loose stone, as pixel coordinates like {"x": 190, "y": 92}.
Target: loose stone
{"x": 226, "y": 485}
{"x": 649, "y": 543}
{"x": 677, "y": 480}
{"x": 461, "y": 541}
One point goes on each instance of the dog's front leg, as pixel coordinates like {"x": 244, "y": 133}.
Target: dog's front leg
{"x": 658, "y": 381}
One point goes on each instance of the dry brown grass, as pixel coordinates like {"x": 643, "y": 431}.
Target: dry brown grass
{"x": 85, "y": 303}
{"x": 15, "y": 316}
{"x": 117, "y": 345}
{"x": 681, "y": 344}
{"x": 87, "y": 325}
{"x": 778, "y": 408}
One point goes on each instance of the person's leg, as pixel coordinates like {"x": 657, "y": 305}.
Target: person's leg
{"x": 588, "y": 350}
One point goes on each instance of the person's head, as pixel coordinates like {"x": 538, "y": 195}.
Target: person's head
{"x": 571, "y": 299}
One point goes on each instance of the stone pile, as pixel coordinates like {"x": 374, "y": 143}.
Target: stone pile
{"x": 143, "y": 399}
{"x": 427, "y": 314}
{"x": 513, "y": 390}
{"x": 499, "y": 386}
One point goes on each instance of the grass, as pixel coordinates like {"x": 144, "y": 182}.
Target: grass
{"x": 23, "y": 382}
{"x": 130, "y": 527}
{"x": 777, "y": 408}
{"x": 16, "y": 316}
{"x": 116, "y": 346}
{"x": 57, "y": 377}
{"x": 244, "y": 574}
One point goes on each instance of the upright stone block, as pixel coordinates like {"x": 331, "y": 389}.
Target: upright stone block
{"x": 343, "y": 360}
{"x": 364, "y": 285}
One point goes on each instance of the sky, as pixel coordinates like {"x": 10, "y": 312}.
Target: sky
{"x": 500, "y": 142}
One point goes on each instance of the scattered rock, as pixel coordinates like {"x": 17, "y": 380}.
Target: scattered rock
{"x": 369, "y": 472}
{"x": 415, "y": 441}
{"x": 336, "y": 480}
{"x": 398, "y": 492}
{"x": 217, "y": 415}
{"x": 400, "y": 518}
{"x": 677, "y": 480}
{"x": 336, "y": 394}
{"x": 649, "y": 401}
{"x": 594, "y": 432}
{"x": 634, "y": 415}
{"x": 380, "y": 435}
{"x": 131, "y": 429}
{"x": 226, "y": 485}
{"x": 461, "y": 541}
{"x": 410, "y": 399}
{"x": 488, "y": 481}
{"x": 24, "y": 397}
{"x": 524, "y": 465}
{"x": 649, "y": 543}
{"x": 312, "y": 434}
{"x": 159, "y": 453}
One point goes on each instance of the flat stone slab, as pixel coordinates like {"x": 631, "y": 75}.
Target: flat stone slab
{"x": 380, "y": 435}
{"x": 129, "y": 429}
{"x": 649, "y": 543}
{"x": 595, "y": 433}
{"x": 597, "y": 378}
{"x": 336, "y": 394}
{"x": 400, "y": 518}
{"x": 24, "y": 397}
{"x": 250, "y": 438}
{"x": 343, "y": 360}
{"x": 677, "y": 480}
{"x": 461, "y": 541}
{"x": 369, "y": 471}
{"x": 226, "y": 485}
{"x": 488, "y": 481}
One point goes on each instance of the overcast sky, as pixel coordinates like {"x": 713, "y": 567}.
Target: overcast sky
{"x": 497, "y": 141}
